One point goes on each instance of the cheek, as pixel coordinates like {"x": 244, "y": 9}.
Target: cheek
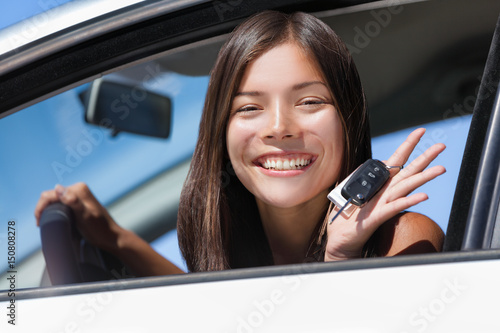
{"x": 238, "y": 137}
{"x": 333, "y": 135}
{"x": 330, "y": 135}
{"x": 327, "y": 127}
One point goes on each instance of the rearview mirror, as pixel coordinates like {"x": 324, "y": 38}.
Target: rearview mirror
{"x": 126, "y": 108}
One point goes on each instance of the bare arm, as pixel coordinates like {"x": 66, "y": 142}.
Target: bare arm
{"x": 141, "y": 258}
{"x": 408, "y": 233}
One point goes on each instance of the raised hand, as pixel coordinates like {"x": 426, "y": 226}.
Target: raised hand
{"x": 347, "y": 236}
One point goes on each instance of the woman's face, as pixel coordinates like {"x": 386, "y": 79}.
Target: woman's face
{"x": 284, "y": 136}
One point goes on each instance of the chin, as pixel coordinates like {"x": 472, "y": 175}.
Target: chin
{"x": 288, "y": 200}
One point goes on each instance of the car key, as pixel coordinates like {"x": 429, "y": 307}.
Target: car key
{"x": 363, "y": 184}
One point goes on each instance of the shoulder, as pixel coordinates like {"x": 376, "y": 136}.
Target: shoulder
{"x": 408, "y": 233}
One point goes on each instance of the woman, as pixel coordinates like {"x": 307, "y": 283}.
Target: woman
{"x": 286, "y": 111}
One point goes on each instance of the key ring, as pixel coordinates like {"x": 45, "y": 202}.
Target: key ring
{"x": 389, "y": 167}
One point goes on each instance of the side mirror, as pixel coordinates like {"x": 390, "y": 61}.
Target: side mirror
{"x": 126, "y": 108}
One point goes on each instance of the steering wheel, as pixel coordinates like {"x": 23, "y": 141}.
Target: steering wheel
{"x": 68, "y": 256}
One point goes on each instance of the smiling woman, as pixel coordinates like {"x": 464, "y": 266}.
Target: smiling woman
{"x": 420, "y": 64}
{"x": 284, "y": 134}
{"x": 285, "y": 116}
{"x": 285, "y": 143}
{"x": 285, "y": 89}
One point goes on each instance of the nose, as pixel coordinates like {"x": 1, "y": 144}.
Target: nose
{"x": 281, "y": 123}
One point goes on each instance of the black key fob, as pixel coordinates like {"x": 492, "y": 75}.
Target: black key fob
{"x": 365, "y": 182}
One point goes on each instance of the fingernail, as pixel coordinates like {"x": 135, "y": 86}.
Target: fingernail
{"x": 59, "y": 190}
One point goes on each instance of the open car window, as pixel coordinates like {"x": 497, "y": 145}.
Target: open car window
{"x": 53, "y": 144}
{"x": 420, "y": 65}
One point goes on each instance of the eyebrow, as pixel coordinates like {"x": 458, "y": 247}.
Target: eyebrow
{"x": 295, "y": 87}
{"x": 249, "y": 93}
{"x": 307, "y": 84}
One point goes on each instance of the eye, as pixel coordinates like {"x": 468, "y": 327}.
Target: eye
{"x": 247, "y": 108}
{"x": 312, "y": 102}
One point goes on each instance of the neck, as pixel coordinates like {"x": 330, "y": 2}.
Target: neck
{"x": 289, "y": 230}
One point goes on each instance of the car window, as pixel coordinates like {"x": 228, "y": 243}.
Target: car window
{"x": 50, "y": 143}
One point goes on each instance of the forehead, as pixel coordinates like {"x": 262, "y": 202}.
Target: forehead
{"x": 286, "y": 63}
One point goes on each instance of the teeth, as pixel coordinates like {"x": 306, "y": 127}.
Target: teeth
{"x": 286, "y": 164}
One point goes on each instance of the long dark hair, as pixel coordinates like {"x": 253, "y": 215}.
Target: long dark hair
{"x": 219, "y": 225}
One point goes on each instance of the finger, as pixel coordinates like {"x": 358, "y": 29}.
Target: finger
{"x": 422, "y": 161}
{"x": 410, "y": 184}
{"x": 46, "y": 198}
{"x": 402, "y": 204}
{"x": 83, "y": 191}
{"x": 72, "y": 198}
{"x": 60, "y": 190}
{"x": 404, "y": 151}
{"x": 390, "y": 209}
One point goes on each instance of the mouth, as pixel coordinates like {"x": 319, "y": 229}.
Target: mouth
{"x": 285, "y": 163}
